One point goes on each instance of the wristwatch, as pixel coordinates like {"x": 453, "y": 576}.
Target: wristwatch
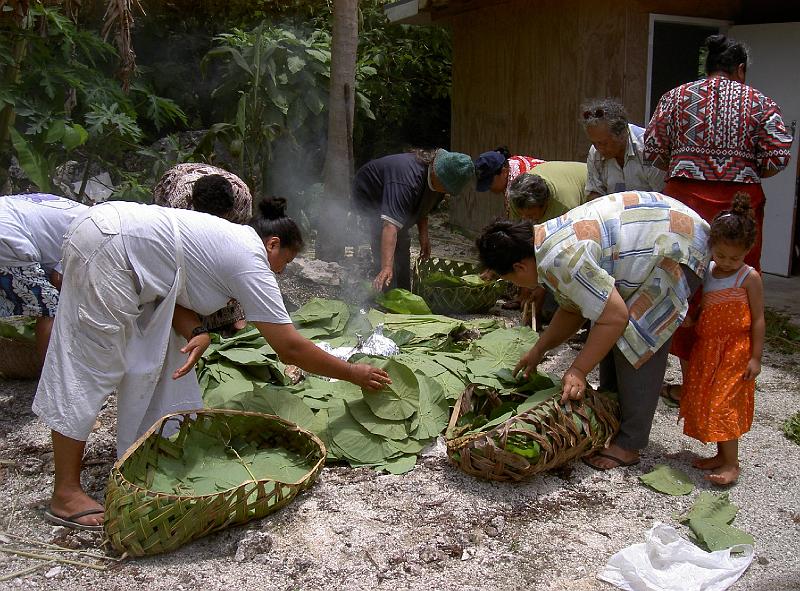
{"x": 198, "y": 330}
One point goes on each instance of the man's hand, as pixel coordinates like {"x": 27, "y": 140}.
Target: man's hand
{"x": 383, "y": 279}
{"x": 368, "y": 377}
{"x": 424, "y": 248}
{"x": 195, "y": 347}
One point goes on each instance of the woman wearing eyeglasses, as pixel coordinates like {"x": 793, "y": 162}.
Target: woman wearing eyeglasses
{"x": 615, "y": 161}
{"x": 715, "y": 137}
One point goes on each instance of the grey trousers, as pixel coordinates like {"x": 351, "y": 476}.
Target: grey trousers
{"x": 638, "y": 389}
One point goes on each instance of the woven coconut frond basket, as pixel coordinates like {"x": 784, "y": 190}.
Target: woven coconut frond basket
{"x": 18, "y": 359}
{"x": 462, "y": 299}
{"x": 141, "y": 522}
{"x": 546, "y": 436}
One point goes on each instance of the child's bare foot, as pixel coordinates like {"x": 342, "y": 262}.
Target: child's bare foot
{"x": 724, "y": 475}
{"x": 709, "y": 463}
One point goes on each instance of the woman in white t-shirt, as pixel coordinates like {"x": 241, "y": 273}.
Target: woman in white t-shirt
{"x": 33, "y": 227}
{"x": 135, "y": 279}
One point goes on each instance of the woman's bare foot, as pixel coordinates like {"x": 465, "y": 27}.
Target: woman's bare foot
{"x": 724, "y": 475}
{"x": 65, "y": 505}
{"x": 709, "y": 463}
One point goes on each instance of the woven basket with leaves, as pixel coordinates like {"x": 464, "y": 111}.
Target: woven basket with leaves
{"x": 462, "y": 299}
{"x": 545, "y": 436}
{"x": 18, "y": 359}
{"x": 140, "y": 521}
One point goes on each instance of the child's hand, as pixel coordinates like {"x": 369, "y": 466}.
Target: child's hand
{"x": 753, "y": 369}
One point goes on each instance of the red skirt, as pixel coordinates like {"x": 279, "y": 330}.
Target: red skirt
{"x": 708, "y": 198}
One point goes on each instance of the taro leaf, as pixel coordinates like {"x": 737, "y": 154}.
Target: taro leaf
{"x": 317, "y": 309}
{"x": 420, "y": 364}
{"x": 383, "y": 428}
{"x": 440, "y": 279}
{"x": 402, "y": 301}
{"x": 353, "y": 441}
{"x": 320, "y": 426}
{"x": 242, "y": 356}
{"x": 713, "y": 507}
{"x": 313, "y": 333}
{"x": 400, "y": 337}
{"x": 504, "y": 347}
{"x": 278, "y": 464}
{"x": 434, "y": 411}
{"x": 400, "y": 464}
{"x": 232, "y": 383}
{"x": 668, "y": 480}
{"x": 715, "y": 535}
{"x": 398, "y": 400}
{"x": 406, "y": 446}
{"x": 279, "y": 401}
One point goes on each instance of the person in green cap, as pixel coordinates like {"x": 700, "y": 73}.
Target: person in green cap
{"x": 395, "y": 192}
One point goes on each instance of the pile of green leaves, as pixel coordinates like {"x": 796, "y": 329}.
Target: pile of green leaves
{"x": 387, "y": 429}
{"x": 710, "y": 520}
{"x": 19, "y": 329}
{"x": 208, "y": 465}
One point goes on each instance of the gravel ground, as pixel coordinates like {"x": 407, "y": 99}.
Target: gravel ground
{"x": 433, "y": 528}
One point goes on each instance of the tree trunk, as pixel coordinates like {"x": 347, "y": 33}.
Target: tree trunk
{"x": 331, "y": 231}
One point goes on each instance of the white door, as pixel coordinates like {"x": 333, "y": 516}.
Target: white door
{"x": 774, "y": 71}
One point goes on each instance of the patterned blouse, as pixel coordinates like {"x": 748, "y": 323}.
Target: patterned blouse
{"x": 717, "y": 129}
{"x": 634, "y": 241}
{"x": 517, "y": 165}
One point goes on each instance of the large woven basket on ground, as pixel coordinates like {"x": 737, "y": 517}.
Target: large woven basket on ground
{"x": 141, "y": 522}
{"x": 560, "y": 431}
{"x": 18, "y": 359}
{"x": 464, "y": 299}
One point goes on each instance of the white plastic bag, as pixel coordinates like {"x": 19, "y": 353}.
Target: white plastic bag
{"x": 667, "y": 562}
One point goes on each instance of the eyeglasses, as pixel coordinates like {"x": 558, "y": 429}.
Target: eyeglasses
{"x": 597, "y": 114}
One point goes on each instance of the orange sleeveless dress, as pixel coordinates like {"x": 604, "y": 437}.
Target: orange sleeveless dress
{"x": 716, "y": 403}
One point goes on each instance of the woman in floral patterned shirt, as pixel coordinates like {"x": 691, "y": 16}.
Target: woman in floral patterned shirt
{"x": 629, "y": 263}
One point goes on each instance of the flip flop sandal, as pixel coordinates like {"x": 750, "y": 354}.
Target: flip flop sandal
{"x": 618, "y": 463}
{"x": 666, "y": 394}
{"x": 72, "y": 520}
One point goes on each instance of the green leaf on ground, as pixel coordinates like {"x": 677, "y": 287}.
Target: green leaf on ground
{"x": 715, "y": 535}
{"x": 668, "y": 480}
{"x": 711, "y": 506}
{"x": 402, "y": 301}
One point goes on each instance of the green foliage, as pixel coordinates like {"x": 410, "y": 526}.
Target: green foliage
{"x": 791, "y": 428}
{"x": 710, "y": 519}
{"x": 67, "y": 102}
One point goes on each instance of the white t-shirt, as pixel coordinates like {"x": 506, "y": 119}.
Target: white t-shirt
{"x": 221, "y": 261}
{"x": 32, "y": 228}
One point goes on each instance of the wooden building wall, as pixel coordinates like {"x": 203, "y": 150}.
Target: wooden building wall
{"x": 521, "y": 70}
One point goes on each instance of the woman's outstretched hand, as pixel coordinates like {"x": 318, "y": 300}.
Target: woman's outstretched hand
{"x": 195, "y": 347}
{"x": 368, "y": 377}
{"x": 529, "y": 362}
{"x": 573, "y": 385}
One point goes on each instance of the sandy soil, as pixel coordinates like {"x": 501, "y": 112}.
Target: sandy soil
{"x": 433, "y": 528}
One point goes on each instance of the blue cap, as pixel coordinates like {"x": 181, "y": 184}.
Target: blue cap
{"x": 487, "y": 166}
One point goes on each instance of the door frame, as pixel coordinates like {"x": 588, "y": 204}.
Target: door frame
{"x": 723, "y": 26}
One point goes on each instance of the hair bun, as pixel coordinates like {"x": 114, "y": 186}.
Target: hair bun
{"x": 504, "y": 151}
{"x": 273, "y": 208}
{"x": 741, "y": 205}
{"x": 717, "y": 43}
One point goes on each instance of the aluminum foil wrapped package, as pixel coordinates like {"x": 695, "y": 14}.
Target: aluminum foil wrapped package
{"x": 375, "y": 344}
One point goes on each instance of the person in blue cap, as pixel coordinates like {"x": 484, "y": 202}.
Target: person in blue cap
{"x": 496, "y": 169}
{"x": 396, "y": 192}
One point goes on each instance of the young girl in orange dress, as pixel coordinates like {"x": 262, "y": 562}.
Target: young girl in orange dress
{"x": 717, "y": 400}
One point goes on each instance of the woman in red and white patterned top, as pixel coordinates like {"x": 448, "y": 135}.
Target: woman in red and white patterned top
{"x": 496, "y": 170}
{"x": 715, "y": 137}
